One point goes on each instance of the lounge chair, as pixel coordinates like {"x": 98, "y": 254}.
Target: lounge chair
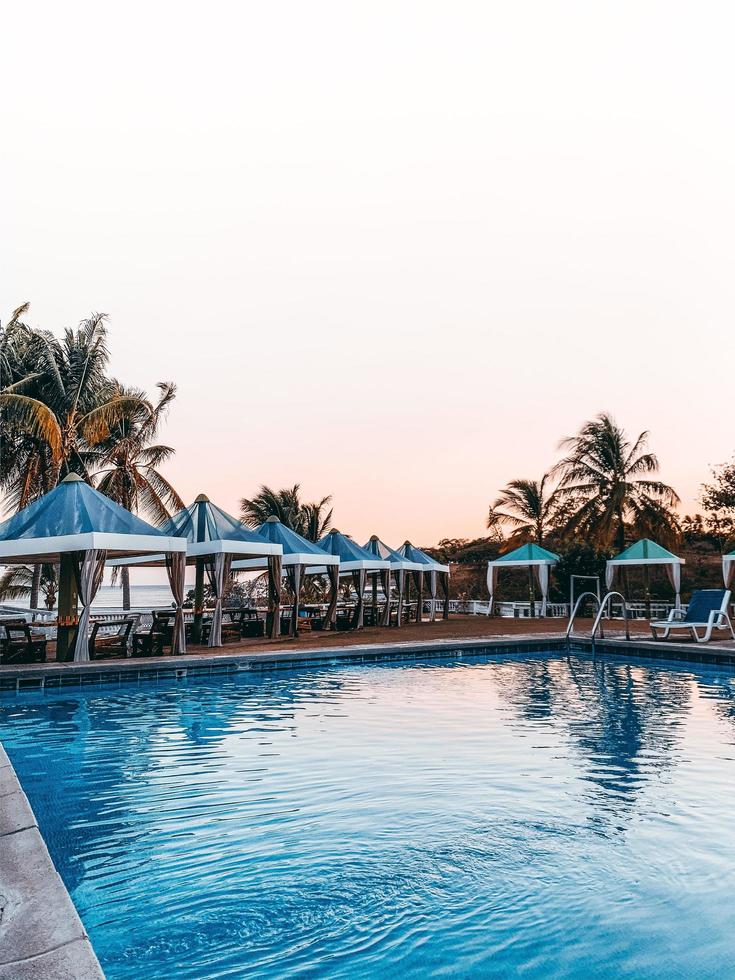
{"x": 707, "y": 610}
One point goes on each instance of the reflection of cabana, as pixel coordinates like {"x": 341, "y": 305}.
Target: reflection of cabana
{"x": 300, "y": 558}
{"x": 647, "y": 553}
{"x": 435, "y": 572}
{"x": 213, "y": 539}
{"x": 536, "y": 559}
{"x": 358, "y": 563}
{"x": 398, "y": 566}
{"x": 728, "y": 570}
{"x": 79, "y": 528}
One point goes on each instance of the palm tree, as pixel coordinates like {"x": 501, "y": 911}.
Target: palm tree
{"x": 604, "y": 479}
{"x": 55, "y": 403}
{"x": 130, "y": 473}
{"x": 18, "y": 582}
{"x": 526, "y": 506}
{"x": 72, "y": 405}
{"x": 311, "y": 520}
{"x": 316, "y": 520}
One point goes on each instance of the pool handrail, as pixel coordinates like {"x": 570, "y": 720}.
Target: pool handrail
{"x": 577, "y": 604}
{"x": 606, "y": 600}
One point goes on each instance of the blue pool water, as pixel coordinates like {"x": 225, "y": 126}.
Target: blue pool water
{"x": 533, "y": 817}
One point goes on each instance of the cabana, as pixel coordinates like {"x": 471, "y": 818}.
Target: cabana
{"x": 532, "y": 556}
{"x": 79, "y": 529}
{"x": 728, "y": 570}
{"x": 213, "y": 539}
{"x": 646, "y": 553}
{"x": 358, "y": 563}
{"x": 398, "y": 566}
{"x": 300, "y": 558}
{"x": 435, "y": 570}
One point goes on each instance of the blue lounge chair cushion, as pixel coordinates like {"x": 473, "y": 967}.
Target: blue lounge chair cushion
{"x": 702, "y": 603}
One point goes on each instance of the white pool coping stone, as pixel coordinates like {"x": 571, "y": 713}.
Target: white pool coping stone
{"x": 41, "y": 934}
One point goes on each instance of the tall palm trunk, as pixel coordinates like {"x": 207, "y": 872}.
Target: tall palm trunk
{"x": 125, "y": 578}
{"x": 35, "y": 586}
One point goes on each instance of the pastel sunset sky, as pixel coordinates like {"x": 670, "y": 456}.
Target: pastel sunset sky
{"x": 393, "y": 251}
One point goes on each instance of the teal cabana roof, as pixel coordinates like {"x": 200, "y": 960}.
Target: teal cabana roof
{"x": 296, "y": 550}
{"x": 381, "y": 550}
{"x": 527, "y": 554}
{"x": 76, "y": 517}
{"x": 352, "y": 556}
{"x": 646, "y": 552}
{"x": 421, "y": 558}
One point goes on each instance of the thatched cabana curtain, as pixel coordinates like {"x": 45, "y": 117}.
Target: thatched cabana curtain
{"x": 218, "y": 572}
{"x": 176, "y": 571}
{"x": 273, "y": 618}
{"x": 728, "y": 571}
{"x": 89, "y": 577}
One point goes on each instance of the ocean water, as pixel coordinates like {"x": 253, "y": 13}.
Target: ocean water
{"x": 535, "y": 817}
{"x": 110, "y": 597}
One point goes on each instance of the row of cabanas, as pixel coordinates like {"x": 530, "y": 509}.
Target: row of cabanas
{"x": 645, "y": 553}
{"x": 82, "y": 531}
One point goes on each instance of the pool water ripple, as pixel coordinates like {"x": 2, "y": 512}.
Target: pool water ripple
{"x": 540, "y": 816}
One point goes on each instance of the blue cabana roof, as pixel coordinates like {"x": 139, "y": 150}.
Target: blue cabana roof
{"x": 351, "y": 556}
{"x": 527, "y": 554}
{"x": 421, "y": 558}
{"x": 209, "y": 529}
{"x": 296, "y": 550}
{"x": 76, "y": 517}
{"x": 381, "y": 550}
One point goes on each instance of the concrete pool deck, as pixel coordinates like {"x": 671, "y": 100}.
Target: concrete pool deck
{"x": 41, "y": 934}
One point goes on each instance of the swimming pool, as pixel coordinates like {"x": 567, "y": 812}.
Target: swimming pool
{"x": 518, "y": 815}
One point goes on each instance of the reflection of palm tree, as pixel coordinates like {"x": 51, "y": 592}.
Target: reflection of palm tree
{"x": 620, "y": 718}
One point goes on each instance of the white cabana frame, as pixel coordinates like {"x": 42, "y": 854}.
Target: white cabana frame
{"x": 531, "y": 556}
{"x": 647, "y": 553}
{"x": 96, "y": 530}
{"x": 728, "y": 570}
{"x": 213, "y": 538}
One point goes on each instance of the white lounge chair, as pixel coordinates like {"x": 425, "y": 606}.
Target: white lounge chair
{"x": 708, "y": 611}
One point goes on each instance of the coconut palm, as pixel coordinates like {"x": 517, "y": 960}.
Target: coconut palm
{"x": 316, "y": 520}
{"x": 72, "y": 404}
{"x": 129, "y": 465}
{"x": 18, "y": 582}
{"x": 56, "y": 402}
{"x": 527, "y": 507}
{"x": 311, "y": 520}
{"x": 604, "y": 479}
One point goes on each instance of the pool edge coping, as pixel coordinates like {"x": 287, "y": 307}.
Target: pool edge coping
{"x": 60, "y": 675}
{"x": 41, "y": 933}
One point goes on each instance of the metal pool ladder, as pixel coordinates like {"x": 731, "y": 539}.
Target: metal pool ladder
{"x": 602, "y": 605}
